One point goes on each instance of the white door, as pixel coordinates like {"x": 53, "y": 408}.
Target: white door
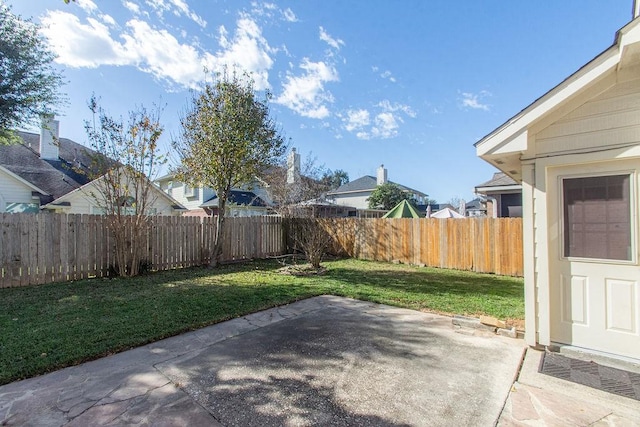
{"x": 593, "y": 257}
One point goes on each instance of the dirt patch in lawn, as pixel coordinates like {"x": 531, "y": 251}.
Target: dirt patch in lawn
{"x": 302, "y": 270}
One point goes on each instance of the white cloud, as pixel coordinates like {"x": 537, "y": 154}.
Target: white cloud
{"x": 356, "y": 120}
{"x": 306, "y": 94}
{"x": 387, "y": 106}
{"x": 387, "y": 75}
{"x": 87, "y": 5}
{"x": 178, "y": 8}
{"x": 159, "y": 6}
{"x": 107, "y": 19}
{"x": 159, "y": 53}
{"x": 133, "y": 7}
{"x": 82, "y": 45}
{"x": 473, "y": 100}
{"x": 386, "y": 126}
{"x": 156, "y": 51}
{"x": 183, "y": 9}
{"x": 334, "y": 43}
{"x": 248, "y": 50}
{"x": 289, "y": 16}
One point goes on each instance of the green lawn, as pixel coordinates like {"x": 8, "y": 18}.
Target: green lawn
{"x": 43, "y": 328}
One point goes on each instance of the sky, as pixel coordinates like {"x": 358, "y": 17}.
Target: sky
{"x": 410, "y": 84}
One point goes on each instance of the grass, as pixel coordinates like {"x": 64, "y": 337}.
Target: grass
{"x": 47, "y": 327}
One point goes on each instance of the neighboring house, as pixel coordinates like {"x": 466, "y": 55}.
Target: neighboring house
{"x": 503, "y": 195}
{"x": 356, "y": 193}
{"x": 322, "y": 208}
{"x": 41, "y": 173}
{"x": 203, "y": 201}
{"x": 475, "y": 208}
{"x": 576, "y": 151}
{"x": 241, "y": 203}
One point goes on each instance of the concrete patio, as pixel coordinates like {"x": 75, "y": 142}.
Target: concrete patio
{"x": 322, "y": 361}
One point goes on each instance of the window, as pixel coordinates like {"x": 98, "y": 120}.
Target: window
{"x": 597, "y": 217}
{"x": 189, "y": 191}
{"x": 22, "y": 208}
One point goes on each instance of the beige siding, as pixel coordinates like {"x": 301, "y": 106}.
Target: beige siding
{"x": 13, "y": 191}
{"x": 610, "y": 119}
{"x": 356, "y": 200}
{"x": 82, "y": 202}
{"x": 177, "y": 192}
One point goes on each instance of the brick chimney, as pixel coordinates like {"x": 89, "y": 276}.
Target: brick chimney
{"x": 49, "y": 138}
{"x": 293, "y": 167}
{"x": 382, "y": 175}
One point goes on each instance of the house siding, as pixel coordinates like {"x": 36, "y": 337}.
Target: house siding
{"x": 83, "y": 202}
{"x": 355, "y": 200}
{"x": 610, "y": 119}
{"x": 13, "y": 191}
{"x": 177, "y": 192}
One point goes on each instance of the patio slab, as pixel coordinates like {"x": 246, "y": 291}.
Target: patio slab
{"x": 325, "y": 360}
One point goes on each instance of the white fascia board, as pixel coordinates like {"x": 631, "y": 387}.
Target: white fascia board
{"x": 499, "y": 189}
{"x": 167, "y": 177}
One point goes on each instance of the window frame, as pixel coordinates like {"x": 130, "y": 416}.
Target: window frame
{"x": 190, "y": 191}
{"x": 632, "y": 217}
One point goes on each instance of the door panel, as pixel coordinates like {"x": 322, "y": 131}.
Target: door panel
{"x": 594, "y": 303}
{"x": 622, "y": 313}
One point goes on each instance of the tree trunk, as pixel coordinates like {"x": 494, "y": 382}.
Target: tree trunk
{"x": 216, "y": 252}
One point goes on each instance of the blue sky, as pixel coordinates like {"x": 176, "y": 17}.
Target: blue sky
{"x": 409, "y": 84}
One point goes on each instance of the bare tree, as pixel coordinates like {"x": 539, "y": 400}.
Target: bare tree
{"x": 125, "y": 160}
{"x": 295, "y": 189}
{"x": 292, "y": 185}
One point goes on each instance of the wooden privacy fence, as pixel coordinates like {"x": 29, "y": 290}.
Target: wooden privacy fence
{"x": 487, "y": 245}
{"x": 45, "y": 248}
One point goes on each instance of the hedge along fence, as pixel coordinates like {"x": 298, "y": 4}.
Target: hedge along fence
{"x": 487, "y": 245}
{"x": 44, "y": 248}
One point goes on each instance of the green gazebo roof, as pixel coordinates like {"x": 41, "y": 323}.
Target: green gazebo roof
{"x": 402, "y": 210}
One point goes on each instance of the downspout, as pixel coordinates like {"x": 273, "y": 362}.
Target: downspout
{"x": 494, "y": 205}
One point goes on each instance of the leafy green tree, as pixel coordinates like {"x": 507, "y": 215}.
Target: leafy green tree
{"x": 226, "y": 141}
{"x": 29, "y": 83}
{"x": 334, "y": 179}
{"x": 386, "y": 196}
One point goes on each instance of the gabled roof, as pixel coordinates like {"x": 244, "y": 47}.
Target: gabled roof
{"x": 402, "y": 210}
{"x": 367, "y": 183}
{"x": 55, "y": 177}
{"x": 475, "y": 204}
{"x": 238, "y": 197}
{"x": 504, "y": 146}
{"x": 501, "y": 182}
